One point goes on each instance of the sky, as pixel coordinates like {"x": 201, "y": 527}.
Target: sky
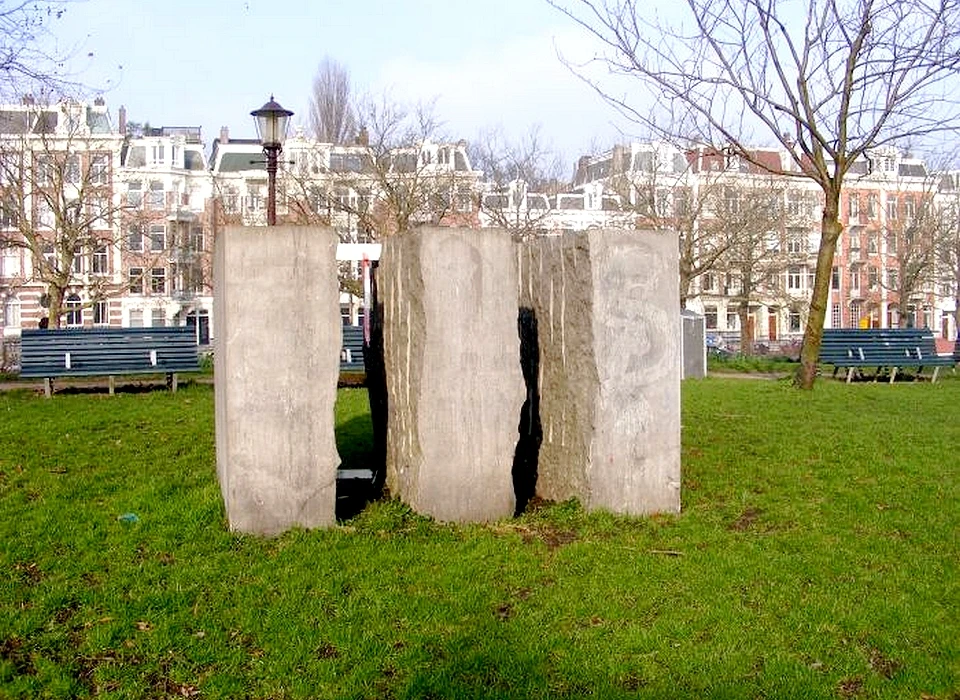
{"x": 208, "y": 63}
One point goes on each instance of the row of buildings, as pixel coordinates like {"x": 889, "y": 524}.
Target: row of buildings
{"x": 107, "y": 222}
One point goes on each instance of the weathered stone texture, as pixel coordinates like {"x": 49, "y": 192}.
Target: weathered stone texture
{"x": 608, "y": 315}
{"x": 454, "y": 383}
{"x": 277, "y": 347}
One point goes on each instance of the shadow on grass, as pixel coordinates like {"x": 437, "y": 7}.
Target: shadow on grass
{"x": 355, "y": 445}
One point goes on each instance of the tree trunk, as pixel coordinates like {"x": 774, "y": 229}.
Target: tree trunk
{"x": 830, "y": 229}
{"x": 56, "y": 305}
{"x": 746, "y": 331}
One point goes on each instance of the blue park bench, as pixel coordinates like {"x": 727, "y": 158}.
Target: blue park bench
{"x": 351, "y": 350}
{"x": 883, "y": 349}
{"x": 78, "y": 352}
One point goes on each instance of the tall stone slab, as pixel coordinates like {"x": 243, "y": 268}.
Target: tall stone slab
{"x": 454, "y": 385}
{"x": 277, "y": 318}
{"x": 608, "y": 321}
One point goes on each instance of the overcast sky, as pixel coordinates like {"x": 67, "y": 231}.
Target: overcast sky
{"x": 208, "y": 63}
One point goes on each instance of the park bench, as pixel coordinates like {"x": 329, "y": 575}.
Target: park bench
{"x": 76, "y": 352}
{"x": 883, "y": 349}
{"x": 351, "y": 351}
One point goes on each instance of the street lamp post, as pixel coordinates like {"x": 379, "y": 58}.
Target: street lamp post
{"x": 272, "y": 120}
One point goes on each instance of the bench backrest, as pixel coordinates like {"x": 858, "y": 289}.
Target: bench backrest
{"x": 351, "y": 352}
{"x": 845, "y": 346}
{"x": 104, "y": 351}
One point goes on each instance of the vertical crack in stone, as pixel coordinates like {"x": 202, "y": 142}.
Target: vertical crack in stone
{"x": 526, "y": 455}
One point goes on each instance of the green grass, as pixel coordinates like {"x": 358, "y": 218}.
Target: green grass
{"x": 751, "y": 363}
{"x": 816, "y": 557}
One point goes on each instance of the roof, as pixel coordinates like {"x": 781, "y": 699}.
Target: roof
{"x": 913, "y": 170}
{"x": 193, "y": 160}
{"x": 237, "y": 162}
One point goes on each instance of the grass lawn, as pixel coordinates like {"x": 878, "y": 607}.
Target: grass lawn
{"x": 817, "y": 556}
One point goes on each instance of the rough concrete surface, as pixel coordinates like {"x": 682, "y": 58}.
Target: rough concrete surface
{"x": 454, "y": 383}
{"x": 276, "y": 364}
{"x": 609, "y": 324}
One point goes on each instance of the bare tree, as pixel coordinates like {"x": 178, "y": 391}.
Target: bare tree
{"x": 669, "y": 190}
{"x": 27, "y": 65}
{"x": 58, "y": 208}
{"x": 520, "y": 177}
{"x": 399, "y": 172}
{"x": 827, "y": 79}
{"x": 748, "y": 218}
{"x": 332, "y": 118}
{"x": 910, "y": 235}
{"x": 947, "y": 240}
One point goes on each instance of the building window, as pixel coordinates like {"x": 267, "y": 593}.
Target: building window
{"x": 71, "y": 169}
{"x": 872, "y": 243}
{"x": 158, "y": 238}
{"x": 794, "y": 203}
{"x": 708, "y": 282}
{"x": 76, "y": 264}
{"x": 158, "y": 280}
{"x": 99, "y": 260}
{"x": 794, "y": 278}
{"x": 74, "y": 311}
{"x": 893, "y": 206}
{"x": 873, "y": 278}
{"x": 731, "y": 200}
{"x": 855, "y": 278}
{"x": 855, "y": 313}
{"x": 892, "y": 278}
{"x": 158, "y": 318}
{"x": 11, "y": 312}
{"x": 99, "y": 169}
{"x": 835, "y": 278}
{"x": 854, "y": 240}
{"x": 101, "y": 315}
{"x": 155, "y": 197}
{"x": 10, "y": 263}
{"x": 134, "y": 193}
{"x": 892, "y": 243}
{"x": 733, "y": 321}
{"x": 135, "y": 278}
{"x": 873, "y": 203}
{"x": 710, "y": 317}
{"x": 230, "y": 201}
{"x": 43, "y": 170}
{"x": 159, "y": 153}
{"x": 136, "y": 318}
{"x": 836, "y": 321}
{"x": 794, "y": 321}
{"x": 854, "y": 207}
{"x": 195, "y": 240}
{"x": 909, "y": 209}
{"x": 45, "y": 217}
{"x": 135, "y": 239}
{"x": 9, "y": 212}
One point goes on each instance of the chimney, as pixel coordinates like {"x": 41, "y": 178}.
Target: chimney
{"x": 122, "y": 120}
{"x": 363, "y": 137}
{"x": 27, "y": 100}
{"x": 581, "y": 175}
{"x": 224, "y": 134}
{"x": 99, "y": 101}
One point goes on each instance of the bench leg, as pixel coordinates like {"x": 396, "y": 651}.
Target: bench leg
{"x": 48, "y": 387}
{"x": 893, "y": 374}
{"x": 936, "y": 371}
{"x": 849, "y": 374}
{"x": 112, "y": 384}
{"x": 172, "y": 382}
